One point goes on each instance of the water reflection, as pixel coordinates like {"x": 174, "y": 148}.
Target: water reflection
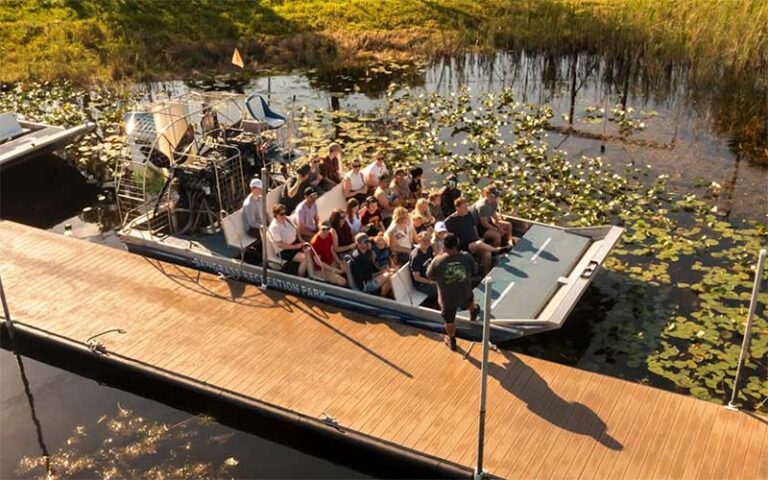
{"x": 80, "y": 428}
{"x": 661, "y": 114}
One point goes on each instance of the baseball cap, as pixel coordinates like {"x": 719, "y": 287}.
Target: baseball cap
{"x": 310, "y": 191}
{"x": 256, "y": 183}
{"x": 362, "y": 237}
{"x": 440, "y": 227}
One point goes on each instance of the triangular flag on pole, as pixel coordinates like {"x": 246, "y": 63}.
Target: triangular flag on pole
{"x": 237, "y": 59}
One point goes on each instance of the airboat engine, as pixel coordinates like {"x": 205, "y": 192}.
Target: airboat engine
{"x": 189, "y": 160}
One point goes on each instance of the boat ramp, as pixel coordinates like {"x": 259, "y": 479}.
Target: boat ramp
{"x": 364, "y": 378}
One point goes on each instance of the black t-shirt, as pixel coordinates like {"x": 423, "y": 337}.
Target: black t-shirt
{"x": 419, "y": 259}
{"x": 453, "y": 274}
{"x": 362, "y": 267}
{"x": 447, "y": 197}
{"x": 464, "y": 228}
{"x": 415, "y": 186}
{"x": 292, "y": 203}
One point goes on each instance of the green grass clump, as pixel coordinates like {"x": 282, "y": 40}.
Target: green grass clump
{"x": 93, "y": 39}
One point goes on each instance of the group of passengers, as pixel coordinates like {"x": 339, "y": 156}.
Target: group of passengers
{"x": 390, "y": 221}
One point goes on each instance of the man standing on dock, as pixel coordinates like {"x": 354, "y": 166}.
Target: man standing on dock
{"x": 453, "y": 271}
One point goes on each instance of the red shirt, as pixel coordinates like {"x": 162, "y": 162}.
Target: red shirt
{"x": 367, "y": 217}
{"x": 324, "y": 248}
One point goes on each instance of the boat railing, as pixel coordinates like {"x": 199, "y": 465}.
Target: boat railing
{"x": 759, "y": 268}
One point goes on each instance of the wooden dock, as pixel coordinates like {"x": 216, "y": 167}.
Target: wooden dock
{"x": 394, "y": 384}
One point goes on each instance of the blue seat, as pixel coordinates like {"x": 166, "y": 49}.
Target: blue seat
{"x": 259, "y": 110}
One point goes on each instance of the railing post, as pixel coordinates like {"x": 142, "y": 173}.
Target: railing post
{"x": 6, "y": 310}
{"x": 748, "y": 329}
{"x": 264, "y": 225}
{"x": 479, "y": 473}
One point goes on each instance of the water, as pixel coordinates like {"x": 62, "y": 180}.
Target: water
{"x": 705, "y": 135}
{"x": 89, "y": 424}
{"x": 707, "y": 145}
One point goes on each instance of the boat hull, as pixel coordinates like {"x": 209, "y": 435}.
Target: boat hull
{"x": 312, "y": 290}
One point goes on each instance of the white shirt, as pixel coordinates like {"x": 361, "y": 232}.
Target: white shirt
{"x": 285, "y": 233}
{"x": 402, "y": 238}
{"x": 375, "y": 170}
{"x": 357, "y": 181}
{"x": 355, "y": 224}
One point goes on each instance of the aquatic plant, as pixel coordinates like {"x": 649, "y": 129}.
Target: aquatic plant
{"x": 676, "y": 288}
{"x": 673, "y": 294}
{"x": 63, "y": 103}
{"x": 126, "y": 445}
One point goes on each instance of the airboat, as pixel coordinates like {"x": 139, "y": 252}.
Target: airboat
{"x": 21, "y": 139}
{"x": 185, "y": 172}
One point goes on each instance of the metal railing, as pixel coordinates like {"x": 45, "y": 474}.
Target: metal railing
{"x": 479, "y": 473}
{"x": 748, "y": 329}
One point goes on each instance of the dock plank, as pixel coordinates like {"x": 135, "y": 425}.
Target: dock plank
{"x": 385, "y": 380}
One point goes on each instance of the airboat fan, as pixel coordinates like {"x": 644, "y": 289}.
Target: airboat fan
{"x": 188, "y": 160}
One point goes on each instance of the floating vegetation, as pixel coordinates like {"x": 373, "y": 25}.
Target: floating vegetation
{"x": 61, "y": 103}
{"x": 125, "y": 445}
{"x": 674, "y": 294}
{"x": 676, "y": 290}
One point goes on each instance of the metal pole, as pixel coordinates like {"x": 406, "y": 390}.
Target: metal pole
{"x": 6, "y": 311}
{"x": 264, "y": 224}
{"x": 748, "y": 328}
{"x": 479, "y": 474}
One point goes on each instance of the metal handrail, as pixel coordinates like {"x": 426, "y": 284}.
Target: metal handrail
{"x": 479, "y": 472}
{"x": 748, "y": 328}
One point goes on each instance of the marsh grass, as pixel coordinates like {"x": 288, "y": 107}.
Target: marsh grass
{"x": 90, "y": 39}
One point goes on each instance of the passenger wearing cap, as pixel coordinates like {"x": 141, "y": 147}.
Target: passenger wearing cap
{"x": 368, "y": 277}
{"x": 353, "y": 183}
{"x": 448, "y": 195}
{"x": 438, "y": 238}
{"x": 490, "y": 226}
{"x": 325, "y": 261}
{"x": 252, "y": 206}
{"x": 306, "y": 216}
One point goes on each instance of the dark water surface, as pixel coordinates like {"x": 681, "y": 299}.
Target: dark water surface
{"x": 89, "y": 425}
{"x": 45, "y": 414}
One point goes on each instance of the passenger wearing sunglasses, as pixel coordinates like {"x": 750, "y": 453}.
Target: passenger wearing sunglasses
{"x": 354, "y": 183}
{"x": 285, "y": 238}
